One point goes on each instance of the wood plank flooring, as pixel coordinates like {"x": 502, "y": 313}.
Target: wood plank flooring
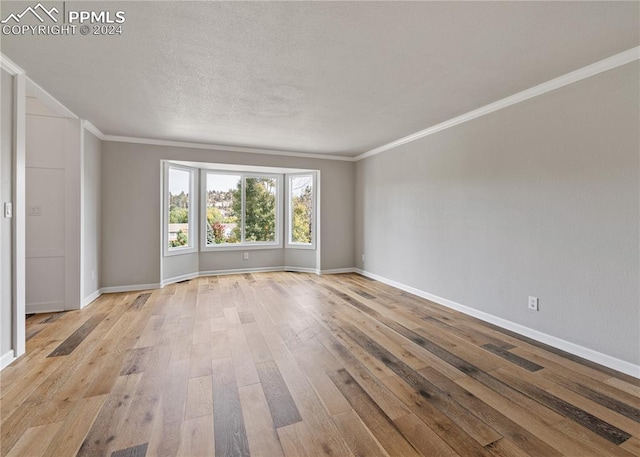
{"x": 291, "y": 364}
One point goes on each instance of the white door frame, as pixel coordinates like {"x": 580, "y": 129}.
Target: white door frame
{"x": 19, "y": 209}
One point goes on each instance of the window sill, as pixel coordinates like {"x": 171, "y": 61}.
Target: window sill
{"x": 309, "y": 247}
{"x": 242, "y": 247}
{"x": 179, "y": 251}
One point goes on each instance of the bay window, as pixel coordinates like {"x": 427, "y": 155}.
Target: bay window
{"x": 240, "y": 207}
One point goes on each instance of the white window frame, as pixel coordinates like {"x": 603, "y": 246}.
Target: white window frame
{"x": 314, "y": 211}
{"x": 193, "y": 212}
{"x": 243, "y": 245}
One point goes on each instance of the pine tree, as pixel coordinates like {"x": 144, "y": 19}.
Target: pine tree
{"x": 260, "y": 214}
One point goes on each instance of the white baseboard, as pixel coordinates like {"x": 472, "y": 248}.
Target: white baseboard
{"x": 91, "y": 298}
{"x": 284, "y": 268}
{"x": 301, "y": 270}
{"x": 259, "y": 270}
{"x": 45, "y": 307}
{"x": 57, "y": 306}
{"x": 200, "y": 274}
{"x": 567, "y": 346}
{"x": 186, "y": 277}
{"x": 240, "y": 271}
{"x": 130, "y": 288}
{"x": 7, "y": 359}
{"x": 337, "y": 271}
{"x": 237, "y": 271}
{"x": 166, "y": 282}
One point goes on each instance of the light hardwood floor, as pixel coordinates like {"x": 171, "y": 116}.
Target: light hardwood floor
{"x": 286, "y": 364}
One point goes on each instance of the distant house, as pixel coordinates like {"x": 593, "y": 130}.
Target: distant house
{"x": 227, "y": 228}
{"x": 175, "y": 228}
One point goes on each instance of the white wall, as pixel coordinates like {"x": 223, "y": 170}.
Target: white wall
{"x": 91, "y": 216}
{"x": 541, "y": 198}
{"x": 53, "y": 162}
{"x": 131, "y": 213}
{"x": 6, "y": 195}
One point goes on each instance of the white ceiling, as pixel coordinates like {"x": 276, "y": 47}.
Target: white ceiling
{"x": 319, "y": 77}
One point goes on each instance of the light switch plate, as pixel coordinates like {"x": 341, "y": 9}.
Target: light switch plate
{"x": 8, "y": 209}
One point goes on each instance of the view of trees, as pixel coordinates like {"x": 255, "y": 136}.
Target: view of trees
{"x": 215, "y": 227}
{"x": 260, "y": 209}
{"x": 302, "y": 211}
{"x": 220, "y": 216}
{"x": 181, "y": 240}
{"x": 225, "y": 225}
{"x": 179, "y": 214}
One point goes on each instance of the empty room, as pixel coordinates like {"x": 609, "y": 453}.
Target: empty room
{"x": 319, "y": 228}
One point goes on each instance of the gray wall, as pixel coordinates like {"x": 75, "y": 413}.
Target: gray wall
{"x": 92, "y": 213}
{"x": 131, "y": 209}
{"x": 299, "y": 258}
{"x": 179, "y": 265}
{"x": 541, "y": 198}
{"x": 6, "y": 169}
{"x": 233, "y": 260}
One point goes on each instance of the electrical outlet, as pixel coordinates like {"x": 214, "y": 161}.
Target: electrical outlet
{"x": 93, "y": 274}
{"x": 8, "y": 209}
{"x": 363, "y": 257}
{"x": 35, "y": 211}
{"x": 533, "y": 303}
{"x": 246, "y": 256}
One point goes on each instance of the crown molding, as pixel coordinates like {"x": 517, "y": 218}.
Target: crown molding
{"x": 10, "y": 66}
{"x": 49, "y": 100}
{"x": 93, "y": 129}
{"x": 208, "y": 146}
{"x": 218, "y": 147}
{"x": 556, "y": 83}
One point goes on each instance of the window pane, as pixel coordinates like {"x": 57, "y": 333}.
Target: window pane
{"x": 260, "y": 209}
{"x": 179, "y": 186}
{"x": 301, "y": 208}
{"x": 224, "y": 209}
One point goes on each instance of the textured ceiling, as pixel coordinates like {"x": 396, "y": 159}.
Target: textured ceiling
{"x": 321, "y": 77}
